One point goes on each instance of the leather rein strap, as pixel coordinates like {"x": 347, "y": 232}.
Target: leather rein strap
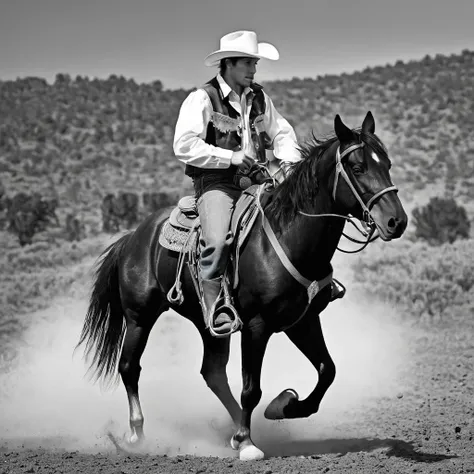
{"x": 312, "y": 287}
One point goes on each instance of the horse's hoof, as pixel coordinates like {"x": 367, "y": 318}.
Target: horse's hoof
{"x": 136, "y": 438}
{"x": 234, "y": 444}
{"x": 274, "y": 411}
{"x": 251, "y": 453}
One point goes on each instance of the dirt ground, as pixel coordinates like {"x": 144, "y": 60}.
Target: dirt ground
{"x": 402, "y": 403}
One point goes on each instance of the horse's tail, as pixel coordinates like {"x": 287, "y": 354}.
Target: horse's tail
{"x": 104, "y": 326}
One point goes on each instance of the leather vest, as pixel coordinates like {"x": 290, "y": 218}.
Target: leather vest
{"x": 224, "y": 130}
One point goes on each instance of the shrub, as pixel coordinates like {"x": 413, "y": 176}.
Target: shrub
{"x": 440, "y": 221}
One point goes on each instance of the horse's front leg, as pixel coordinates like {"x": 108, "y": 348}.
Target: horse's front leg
{"x": 307, "y": 335}
{"x": 213, "y": 370}
{"x": 255, "y": 337}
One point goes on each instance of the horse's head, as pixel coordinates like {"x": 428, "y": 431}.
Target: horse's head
{"x": 362, "y": 184}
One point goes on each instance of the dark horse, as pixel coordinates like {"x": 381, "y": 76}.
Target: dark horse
{"x": 347, "y": 174}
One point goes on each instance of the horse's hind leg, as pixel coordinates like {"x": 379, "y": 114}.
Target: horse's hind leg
{"x": 213, "y": 370}
{"x": 135, "y": 340}
{"x": 307, "y": 335}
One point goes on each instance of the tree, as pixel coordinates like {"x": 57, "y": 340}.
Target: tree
{"x": 157, "y": 86}
{"x": 62, "y": 80}
{"x": 75, "y": 229}
{"x": 28, "y": 214}
{"x": 442, "y": 220}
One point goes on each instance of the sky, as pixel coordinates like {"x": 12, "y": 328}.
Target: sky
{"x": 167, "y": 40}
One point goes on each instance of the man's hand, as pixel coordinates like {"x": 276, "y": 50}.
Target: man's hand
{"x": 241, "y": 160}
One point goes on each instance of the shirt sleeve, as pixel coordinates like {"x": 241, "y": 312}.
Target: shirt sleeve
{"x": 281, "y": 133}
{"x": 190, "y": 132}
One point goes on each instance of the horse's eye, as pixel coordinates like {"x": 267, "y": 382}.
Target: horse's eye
{"x": 357, "y": 169}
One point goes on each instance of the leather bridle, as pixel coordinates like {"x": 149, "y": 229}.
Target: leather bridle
{"x": 366, "y": 207}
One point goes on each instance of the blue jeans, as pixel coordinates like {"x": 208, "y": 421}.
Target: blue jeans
{"x": 216, "y": 198}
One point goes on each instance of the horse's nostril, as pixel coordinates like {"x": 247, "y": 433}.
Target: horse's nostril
{"x": 392, "y": 222}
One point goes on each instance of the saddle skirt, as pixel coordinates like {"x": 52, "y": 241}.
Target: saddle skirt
{"x": 180, "y": 232}
{"x": 177, "y": 231}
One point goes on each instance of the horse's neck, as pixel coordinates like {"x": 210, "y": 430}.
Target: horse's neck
{"x": 311, "y": 241}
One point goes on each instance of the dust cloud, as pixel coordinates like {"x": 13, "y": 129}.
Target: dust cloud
{"x": 48, "y": 402}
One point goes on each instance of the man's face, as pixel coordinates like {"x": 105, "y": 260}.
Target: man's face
{"x": 243, "y": 71}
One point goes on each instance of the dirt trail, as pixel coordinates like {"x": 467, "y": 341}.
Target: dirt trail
{"x": 399, "y": 398}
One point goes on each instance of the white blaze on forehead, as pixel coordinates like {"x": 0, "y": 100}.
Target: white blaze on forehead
{"x": 375, "y": 157}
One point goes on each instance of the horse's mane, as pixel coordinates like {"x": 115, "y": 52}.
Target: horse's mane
{"x": 302, "y": 185}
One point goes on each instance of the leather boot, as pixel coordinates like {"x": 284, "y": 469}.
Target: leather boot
{"x": 338, "y": 290}
{"x": 221, "y": 322}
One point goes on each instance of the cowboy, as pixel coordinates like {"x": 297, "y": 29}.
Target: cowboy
{"x": 223, "y": 129}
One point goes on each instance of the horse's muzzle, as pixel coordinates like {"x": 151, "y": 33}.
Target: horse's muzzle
{"x": 392, "y": 227}
{"x": 390, "y": 218}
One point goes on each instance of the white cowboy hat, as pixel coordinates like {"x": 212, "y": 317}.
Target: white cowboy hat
{"x": 241, "y": 44}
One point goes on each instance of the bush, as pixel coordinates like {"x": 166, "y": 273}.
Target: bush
{"x": 441, "y": 221}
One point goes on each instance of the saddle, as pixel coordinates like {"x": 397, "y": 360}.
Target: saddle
{"x": 180, "y": 233}
{"x": 184, "y": 215}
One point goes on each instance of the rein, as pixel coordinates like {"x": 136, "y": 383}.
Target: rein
{"x": 368, "y": 234}
{"x": 366, "y": 207}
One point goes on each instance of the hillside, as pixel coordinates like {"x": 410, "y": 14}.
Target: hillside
{"x": 78, "y": 139}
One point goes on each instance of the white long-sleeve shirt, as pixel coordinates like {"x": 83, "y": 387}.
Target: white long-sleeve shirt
{"x": 195, "y": 114}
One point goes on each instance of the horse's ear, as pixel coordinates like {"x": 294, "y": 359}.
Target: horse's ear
{"x": 368, "y": 124}
{"x": 344, "y": 133}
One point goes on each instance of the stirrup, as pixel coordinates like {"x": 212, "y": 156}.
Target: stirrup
{"x": 231, "y": 311}
{"x": 227, "y": 307}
